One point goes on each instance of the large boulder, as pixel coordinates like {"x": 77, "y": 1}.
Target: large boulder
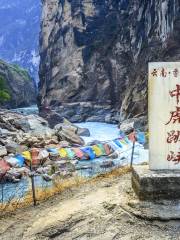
{"x": 83, "y": 132}
{"x": 68, "y": 135}
{"x": 127, "y": 126}
{"x": 67, "y": 125}
{"x": 138, "y": 123}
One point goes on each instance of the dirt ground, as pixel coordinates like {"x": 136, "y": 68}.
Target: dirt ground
{"x": 93, "y": 211}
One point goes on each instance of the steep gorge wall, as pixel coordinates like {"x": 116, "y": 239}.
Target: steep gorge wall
{"x": 98, "y": 52}
{"x": 18, "y": 84}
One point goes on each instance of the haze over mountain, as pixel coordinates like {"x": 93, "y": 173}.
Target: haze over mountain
{"x": 19, "y": 33}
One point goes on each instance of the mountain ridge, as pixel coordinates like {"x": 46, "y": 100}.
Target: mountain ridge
{"x": 19, "y": 33}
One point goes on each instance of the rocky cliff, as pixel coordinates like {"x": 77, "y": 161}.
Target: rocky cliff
{"x": 94, "y": 55}
{"x": 18, "y": 84}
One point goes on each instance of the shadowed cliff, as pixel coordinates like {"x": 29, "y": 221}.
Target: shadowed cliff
{"x": 16, "y": 86}
{"x": 95, "y": 54}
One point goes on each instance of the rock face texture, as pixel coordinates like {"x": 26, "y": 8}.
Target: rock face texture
{"x": 155, "y": 185}
{"x": 19, "y": 85}
{"x": 98, "y": 52}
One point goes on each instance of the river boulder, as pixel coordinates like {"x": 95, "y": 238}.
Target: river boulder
{"x": 67, "y": 125}
{"x": 66, "y": 134}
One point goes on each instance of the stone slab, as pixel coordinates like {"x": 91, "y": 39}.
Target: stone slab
{"x": 156, "y": 185}
{"x": 163, "y": 151}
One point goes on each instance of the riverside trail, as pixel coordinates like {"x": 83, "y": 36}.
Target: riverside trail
{"x": 92, "y": 211}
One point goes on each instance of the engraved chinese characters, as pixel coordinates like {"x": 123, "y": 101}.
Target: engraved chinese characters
{"x": 164, "y": 115}
{"x": 174, "y": 136}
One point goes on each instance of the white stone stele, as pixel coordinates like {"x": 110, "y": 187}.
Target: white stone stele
{"x": 160, "y": 104}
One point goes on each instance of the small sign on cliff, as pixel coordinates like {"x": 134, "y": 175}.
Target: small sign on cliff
{"x": 164, "y": 115}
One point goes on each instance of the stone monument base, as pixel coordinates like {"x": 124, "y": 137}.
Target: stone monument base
{"x": 156, "y": 185}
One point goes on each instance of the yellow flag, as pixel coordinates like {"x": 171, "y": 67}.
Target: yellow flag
{"x": 62, "y": 153}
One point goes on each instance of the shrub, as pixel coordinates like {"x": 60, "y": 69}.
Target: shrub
{"x": 4, "y": 94}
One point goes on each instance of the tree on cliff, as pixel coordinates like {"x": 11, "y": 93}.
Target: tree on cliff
{"x": 4, "y": 94}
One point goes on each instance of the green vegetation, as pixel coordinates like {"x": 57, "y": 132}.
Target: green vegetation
{"x": 24, "y": 73}
{"x": 4, "y": 94}
{"x": 15, "y": 67}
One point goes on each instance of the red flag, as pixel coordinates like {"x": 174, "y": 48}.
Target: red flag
{"x": 4, "y": 167}
{"x": 132, "y": 137}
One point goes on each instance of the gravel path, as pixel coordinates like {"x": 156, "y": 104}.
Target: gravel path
{"x": 93, "y": 211}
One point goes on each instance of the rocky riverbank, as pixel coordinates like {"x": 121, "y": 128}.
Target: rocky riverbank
{"x": 80, "y": 112}
{"x": 29, "y": 146}
{"x": 34, "y": 131}
{"x": 19, "y": 134}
